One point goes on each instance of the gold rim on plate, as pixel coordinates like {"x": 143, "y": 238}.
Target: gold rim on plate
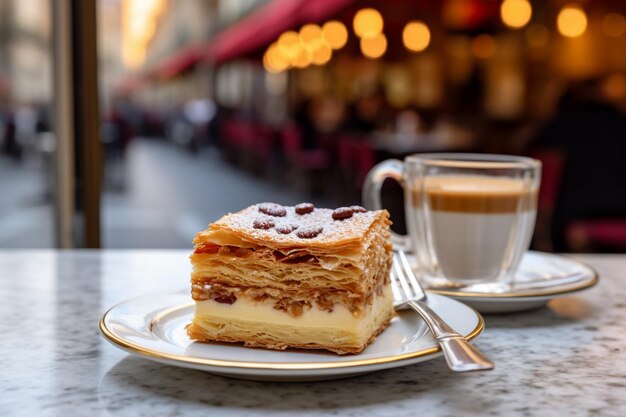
{"x": 300, "y": 366}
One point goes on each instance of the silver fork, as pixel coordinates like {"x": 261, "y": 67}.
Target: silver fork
{"x": 408, "y": 293}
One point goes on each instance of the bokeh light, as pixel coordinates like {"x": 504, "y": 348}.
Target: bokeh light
{"x": 303, "y": 59}
{"x": 416, "y": 36}
{"x": 274, "y": 61}
{"x": 289, "y": 45}
{"x": 614, "y": 87}
{"x": 321, "y": 55}
{"x": 335, "y": 34}
{"x": 614, "y": 25}
{"x": 310, "y": 34}
{"x": 374, "y": 47}
{"x": 267, "y": 64}
{"x": 537, "y": 35}
{"x": 516, "y": 13}
{"x": 319, "y": 51}
{"x": 571, "y": 21}
{"x": 456, "y": 13}
{"x": 483, "y": 46}
{"x": 368, "y": 23}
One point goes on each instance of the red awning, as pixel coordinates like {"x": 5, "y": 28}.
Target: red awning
{"x": 264, "y": 25}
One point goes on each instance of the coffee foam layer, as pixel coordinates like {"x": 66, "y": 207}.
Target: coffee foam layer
{"x": 476, "y": 194}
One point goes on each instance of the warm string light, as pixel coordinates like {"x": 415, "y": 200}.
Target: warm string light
{"x": 312, "y": 45}
{"x": 416, "y": 36}
{"x": 516, "y": 13}
{"x": 274, "y": 60}
{"x": 367, "y": 23}
{"x": 335, "y": 34}
{"x": 289, "y": 45}
{"x": 572, "y": 21}
{"x": 374, "y": 47}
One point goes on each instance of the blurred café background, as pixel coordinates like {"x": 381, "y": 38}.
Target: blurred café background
{"x": 135, "y": 123}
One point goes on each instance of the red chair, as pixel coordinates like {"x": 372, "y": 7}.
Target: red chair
{"x": 596, "y": 234}
{"x": 263, "y": 143}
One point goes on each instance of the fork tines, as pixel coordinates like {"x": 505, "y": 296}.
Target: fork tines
{"x": 405, "y": 285}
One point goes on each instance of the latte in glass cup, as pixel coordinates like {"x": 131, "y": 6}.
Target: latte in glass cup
{"x": 471, "y": 228}
{"x": 470, "y": 217}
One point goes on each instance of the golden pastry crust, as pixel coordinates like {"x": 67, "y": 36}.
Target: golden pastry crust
{"x": 231, "y": 252}
{"x": 198, "y": 334}
{"x": 335, "y": 236}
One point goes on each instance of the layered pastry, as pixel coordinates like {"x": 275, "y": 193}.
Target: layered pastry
{"x": 293, "y": 277}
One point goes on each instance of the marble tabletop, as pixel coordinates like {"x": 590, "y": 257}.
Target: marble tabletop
{"x": 568, "y": 359}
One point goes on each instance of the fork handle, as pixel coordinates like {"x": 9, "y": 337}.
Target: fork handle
{"x": 460, "y": 355}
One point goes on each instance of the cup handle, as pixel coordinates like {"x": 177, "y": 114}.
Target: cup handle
{"x": 391, "y": 168}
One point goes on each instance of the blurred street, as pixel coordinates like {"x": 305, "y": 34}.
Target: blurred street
{"x": 150, "y": 209}
{"x": 25, "y": 210}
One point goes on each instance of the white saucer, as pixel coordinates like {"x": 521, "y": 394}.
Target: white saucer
{"x": 154, "y": 327}
{"x": 540, "y": 278}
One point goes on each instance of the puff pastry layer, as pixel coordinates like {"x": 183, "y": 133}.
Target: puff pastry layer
{"x": 256, "y": 284}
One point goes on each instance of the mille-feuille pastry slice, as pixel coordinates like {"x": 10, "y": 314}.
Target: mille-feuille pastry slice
{"x": 301, "y": 277}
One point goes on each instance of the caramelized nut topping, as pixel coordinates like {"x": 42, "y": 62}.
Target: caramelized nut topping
{"x": 225, "y": 299}
{"x": 273, "y": 209}
{"x": 263, "y": 224}
{"x": 295, "y": 310}
{"x": 343, "y": 213}
{"x": 285, "y": 229}
{"x": 358, "y": 209}
{"x": 304, "y": 208}
{"x": 309, "y": 232}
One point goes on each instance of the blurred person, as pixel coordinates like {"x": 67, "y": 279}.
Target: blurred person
{"x": 369, "y": 114}
{"x": 8, "y": 142}
{"x": 409, "y": 122}
{"x": 122, "y": 124}
{"x": 189, "y": 124}
{"x": 303, "y": 117}
{"x": 200, "y": 112}
{"x": 316, "y": 117}
{"x": 328, "y": 114}
{"x": 25, "y": 126}
{"x": 43, "y": 124}
{"x": 590, "y": 133}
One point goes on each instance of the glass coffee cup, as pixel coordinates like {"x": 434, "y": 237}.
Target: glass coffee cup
{"x": 470, "y": 217}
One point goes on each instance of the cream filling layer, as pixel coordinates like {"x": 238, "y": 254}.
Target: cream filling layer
{"x": 340, "y": 319}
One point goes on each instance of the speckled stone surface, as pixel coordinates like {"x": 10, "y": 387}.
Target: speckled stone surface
{"x": 568, "y": 359}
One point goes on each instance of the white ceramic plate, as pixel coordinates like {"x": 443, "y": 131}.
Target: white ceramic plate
{"x": 154, "y": 327}
{"x": 540, "y": 278}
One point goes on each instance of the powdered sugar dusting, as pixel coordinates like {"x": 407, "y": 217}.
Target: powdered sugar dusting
{"x": 351, "y": 228}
